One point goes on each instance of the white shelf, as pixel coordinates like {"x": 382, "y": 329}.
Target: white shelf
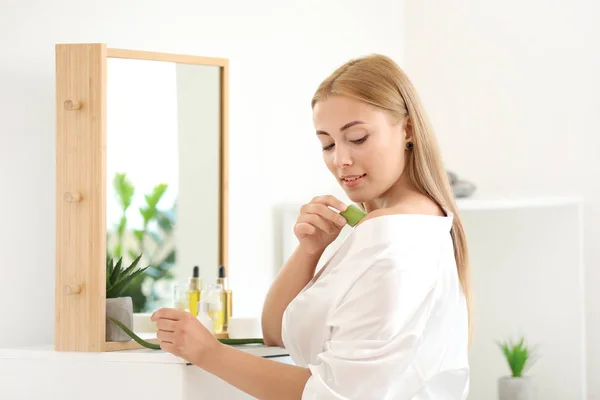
{"x": 508, "y": 203}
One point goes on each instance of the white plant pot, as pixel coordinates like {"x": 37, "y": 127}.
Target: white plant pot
{"x": 512, "y": 388}
{"x": 120, "y": 309}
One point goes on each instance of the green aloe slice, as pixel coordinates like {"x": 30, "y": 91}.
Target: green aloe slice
{"x": 353, "y": 214}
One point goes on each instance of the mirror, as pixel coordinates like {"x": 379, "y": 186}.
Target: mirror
{"x": 164, "y": 182}
{"x": 141, "y": 172}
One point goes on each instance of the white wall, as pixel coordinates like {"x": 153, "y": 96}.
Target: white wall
{"x": 518, "y": 256}
{"x": 197, "y": 238}
{"x": 515, "y": 83}
{"x": 278, "y": 51}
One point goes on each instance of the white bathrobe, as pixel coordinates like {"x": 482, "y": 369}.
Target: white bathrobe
{"x": 385, "y": 318}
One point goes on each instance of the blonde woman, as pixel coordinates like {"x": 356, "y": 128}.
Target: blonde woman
{"x": 387, "y": 317}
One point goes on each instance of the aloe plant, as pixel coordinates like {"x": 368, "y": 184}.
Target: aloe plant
{"x": 118, "y": 278}
{"x": 518, "y": 355}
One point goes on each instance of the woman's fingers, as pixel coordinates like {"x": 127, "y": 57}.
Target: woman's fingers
{"x": 318, "y": 222}
{"x": 326, "y": 213}
{"x": 169, "y": 313}
{"x": 166, "y": 336}
{"x": 304, "y": 228}
{"x": 166, "y": 325}
{"x": 168, "y": 347}
{"x": 167, "y": 321}
{"x": 331, "y": 201}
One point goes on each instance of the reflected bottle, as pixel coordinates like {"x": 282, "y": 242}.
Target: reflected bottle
{"x": 194, "y": 288}
{"x": 212, "y": 294}
{"x": 181, "y": 297}
{"x": 225, "y": 297}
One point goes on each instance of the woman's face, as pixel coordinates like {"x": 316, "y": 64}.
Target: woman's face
{"x": 362, "y": 147}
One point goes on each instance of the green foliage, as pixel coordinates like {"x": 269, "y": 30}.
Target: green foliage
{"x": 124, "y": 191}
{"x": 119, "y": 278}
{"x": 152, "y": 240}
{"x": 518, "y": 355}
{"x": 135, "y": 337}
{"x": 230, "y": 342}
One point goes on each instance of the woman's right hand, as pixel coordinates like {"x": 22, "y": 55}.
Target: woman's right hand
{"x": 318, "y": 225}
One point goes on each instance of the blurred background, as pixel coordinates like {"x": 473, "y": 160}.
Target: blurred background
{"x": 511, "y": 88}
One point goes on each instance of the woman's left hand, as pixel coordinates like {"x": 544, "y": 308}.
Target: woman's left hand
{"x": 181, "y": 334}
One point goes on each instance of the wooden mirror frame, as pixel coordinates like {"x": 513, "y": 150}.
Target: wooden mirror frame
{"x": 81, "y": 187}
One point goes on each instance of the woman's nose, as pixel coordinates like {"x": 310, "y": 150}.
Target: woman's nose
{"x": 342, "y": 157}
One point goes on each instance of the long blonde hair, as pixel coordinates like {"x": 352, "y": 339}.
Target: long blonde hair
{"x": 377, "y": 80}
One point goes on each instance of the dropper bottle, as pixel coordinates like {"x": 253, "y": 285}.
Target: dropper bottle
{"x": 226, "y": 297}
{"x": 194, "y": 287}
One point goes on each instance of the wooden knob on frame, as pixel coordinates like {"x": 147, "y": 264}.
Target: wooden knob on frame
{"x": 72, "y": 197}
{"x": 72, "y": 290}
{"x": 72, "y": 105}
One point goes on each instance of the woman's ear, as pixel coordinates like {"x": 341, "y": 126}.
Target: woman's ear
{"x": 408, "y": 128}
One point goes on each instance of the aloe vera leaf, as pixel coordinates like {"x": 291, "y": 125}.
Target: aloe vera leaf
{"x": 130, "y": 269}
{"x": 353, "y": 214}
{"x": 119, "y": 287}
{"x": 109, "y": 267}
{"x": 114, "y": 276}
{"x": 230, "y": 342}
{"x": 242, "y": 341}
{"x": 134, "y": 336}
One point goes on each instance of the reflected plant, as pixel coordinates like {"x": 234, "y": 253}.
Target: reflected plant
{"x": 153, "y": 240}
{"x": 124, "y": 191}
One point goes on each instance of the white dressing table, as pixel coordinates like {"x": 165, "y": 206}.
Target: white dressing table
{"x": 42, "y": 373}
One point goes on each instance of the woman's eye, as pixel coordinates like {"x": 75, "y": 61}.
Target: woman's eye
{"x": 361, "y": 140}
{"x": 357, "y": 141}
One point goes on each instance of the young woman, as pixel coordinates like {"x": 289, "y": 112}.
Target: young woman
{"x": 387, "y": 317}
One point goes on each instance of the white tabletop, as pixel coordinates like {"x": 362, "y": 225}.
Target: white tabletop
{"x": 141, "y": 355}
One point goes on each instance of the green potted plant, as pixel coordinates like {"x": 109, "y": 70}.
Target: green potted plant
{"x": 516, "y": 386}
{"x": 119, "y": 307}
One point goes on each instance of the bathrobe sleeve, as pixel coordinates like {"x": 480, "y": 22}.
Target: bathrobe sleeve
{"x": 376, "y": 330}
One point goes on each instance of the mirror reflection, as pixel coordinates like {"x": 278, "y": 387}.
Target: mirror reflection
{"x": 163, "y": 186}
